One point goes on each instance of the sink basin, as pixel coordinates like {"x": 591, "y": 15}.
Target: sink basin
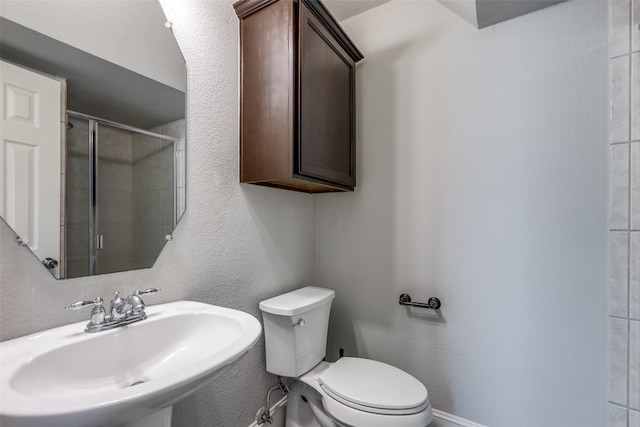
{"x": 66, "y": 377}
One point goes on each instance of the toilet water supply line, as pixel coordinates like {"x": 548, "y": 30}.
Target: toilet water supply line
{"x": 264, "y": 414}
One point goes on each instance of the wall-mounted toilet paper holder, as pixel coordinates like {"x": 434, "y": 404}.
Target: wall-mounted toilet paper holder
{"x": 432, "y": 304}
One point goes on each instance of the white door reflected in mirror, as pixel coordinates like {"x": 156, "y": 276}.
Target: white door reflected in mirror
{"x": 30, "y": 158}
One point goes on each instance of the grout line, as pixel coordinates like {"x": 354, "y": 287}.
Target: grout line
{"x": 620, "y": 317}
{"x": 616, "y": 404}
{"x": 618, "y": 56}
{"x": 630, "y": 101}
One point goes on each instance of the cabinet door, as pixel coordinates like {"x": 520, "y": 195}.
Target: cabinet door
{"x": 326, "y": 142}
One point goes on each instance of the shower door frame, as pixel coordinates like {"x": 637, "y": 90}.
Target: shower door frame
{"x": 95, "y": 239}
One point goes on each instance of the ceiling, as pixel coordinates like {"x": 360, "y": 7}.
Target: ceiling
{"x": 479, "y": 13}
{"x": 343, "y": 9}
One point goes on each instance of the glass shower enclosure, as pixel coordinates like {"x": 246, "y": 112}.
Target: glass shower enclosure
{"x": 121, "y": 194}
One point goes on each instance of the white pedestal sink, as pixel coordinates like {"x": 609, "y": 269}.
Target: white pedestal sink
{"x": 66, "y": 377}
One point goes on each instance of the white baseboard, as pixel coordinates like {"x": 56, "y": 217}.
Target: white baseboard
{"x": 443, "y": 419}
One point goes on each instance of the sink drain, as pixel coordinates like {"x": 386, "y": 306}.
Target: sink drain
{"x": 137, "y": 383}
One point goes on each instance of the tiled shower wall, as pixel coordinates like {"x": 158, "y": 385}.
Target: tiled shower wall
{"x": 624, "y": 221}
{"x": 153, "y": 189}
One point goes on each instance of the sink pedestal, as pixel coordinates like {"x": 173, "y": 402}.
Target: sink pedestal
{"x": 162, "y": 418}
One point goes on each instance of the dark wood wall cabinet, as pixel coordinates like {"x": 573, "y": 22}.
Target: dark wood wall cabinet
{"x": 297, "y": 97}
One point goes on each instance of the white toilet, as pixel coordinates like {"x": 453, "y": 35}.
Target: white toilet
{"x": 349, "y": 392}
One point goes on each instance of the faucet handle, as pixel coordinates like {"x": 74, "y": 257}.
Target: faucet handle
{"x": 83, "y": 304}
{"x": 97, "y": 314}
{"x": 149, "y": 291}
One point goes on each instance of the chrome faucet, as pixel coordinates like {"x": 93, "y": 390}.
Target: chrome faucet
{"x": 130, "y": 306}
{"x": 122, "y": 311}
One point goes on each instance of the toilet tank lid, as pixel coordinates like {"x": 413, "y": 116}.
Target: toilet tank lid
{"x": 298, "y": 301}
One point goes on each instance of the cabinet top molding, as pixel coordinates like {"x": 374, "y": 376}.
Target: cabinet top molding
{"x": 245, "y": 8}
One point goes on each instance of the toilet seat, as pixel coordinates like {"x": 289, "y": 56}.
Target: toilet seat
{"x": 374, "y": 387}
{"x": 347, "y": 412}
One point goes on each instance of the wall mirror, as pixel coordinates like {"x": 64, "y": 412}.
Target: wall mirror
{"x": 92, "y": 162}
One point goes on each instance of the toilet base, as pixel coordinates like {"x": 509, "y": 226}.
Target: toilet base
{"x": 304, "y": 407}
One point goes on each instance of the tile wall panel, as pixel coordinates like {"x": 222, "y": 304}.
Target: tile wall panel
{"x": 618, "y": 360}
{"x": 634, "y": 276}
{"x": 624, "y": 215}
{"x": 634, "y": 364}
{"x": 635, "y": 35}
{"x": 634, "y": 182}
{"x": 620, "y": 20}
{"x": 618, "y": 273}
{"x": 620, "y": 95}
{"x": 619, "y": 210}
{"x": 635, "y": 96}
{"x": 617, "y": 416}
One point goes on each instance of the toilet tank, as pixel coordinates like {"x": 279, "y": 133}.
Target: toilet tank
{"x": 295, "y": 330}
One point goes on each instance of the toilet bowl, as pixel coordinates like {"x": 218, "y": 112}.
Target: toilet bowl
{"x": 358, "y": 392}
{"x": 349, "y": 392}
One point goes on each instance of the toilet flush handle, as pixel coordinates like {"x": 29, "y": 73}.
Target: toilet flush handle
{"x": 299, "y": 323}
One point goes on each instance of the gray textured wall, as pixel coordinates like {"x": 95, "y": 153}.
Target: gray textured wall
{"x": 485, "y": 188}
{"x": 235, "y": 245}
{"x": 483, "y": 181}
